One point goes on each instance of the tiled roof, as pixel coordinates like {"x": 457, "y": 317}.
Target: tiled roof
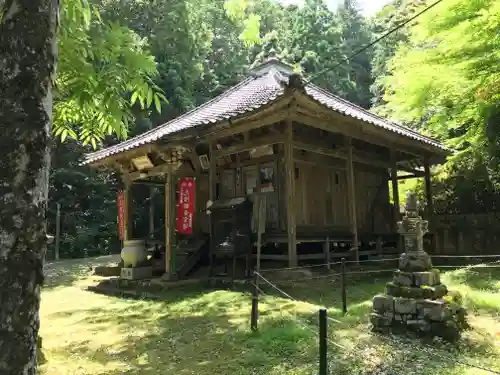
{"x": 251, "y": 94}
{"x": 349, "y": 109}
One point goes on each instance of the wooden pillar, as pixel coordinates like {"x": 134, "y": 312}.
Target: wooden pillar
{"x": 169, "y": 223}
{"x": 152, "y": 191}
{"x": 291, "y": 225}
{"x": 430, "y": 206}
{"x": 58, "y": 231}
{"x": 351, "y": 190}
{"x": 211, "y": 196}
{"x": 395, "y": 191}
{"x": 326, "y": 250}
{"x": 428, "y": 193}
{"x": 128, "y": 210}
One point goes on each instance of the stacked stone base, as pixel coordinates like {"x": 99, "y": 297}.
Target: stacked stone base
{"x": 417, "y": 301}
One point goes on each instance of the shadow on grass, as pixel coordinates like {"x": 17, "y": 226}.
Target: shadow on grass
{"x": 205, "y": 331}
{"x": 327, "y": 293}
{"x": 203, "y": 335}
{"x": 67, "y": 272}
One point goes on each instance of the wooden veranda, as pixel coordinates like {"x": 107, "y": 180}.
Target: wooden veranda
{"x": 323, "y": 164}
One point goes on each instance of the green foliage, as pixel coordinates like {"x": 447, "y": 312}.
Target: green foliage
{"x": 445, "y": 81}
{"x": 242, "y": 11}
{"x": 388, "y": 18}
{"x": 341, "y": 34}
{"x": 88, "y": 204}
{"x": 104, "y": 69}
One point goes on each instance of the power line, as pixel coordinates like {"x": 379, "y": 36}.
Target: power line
{"x": 402, "y": 24}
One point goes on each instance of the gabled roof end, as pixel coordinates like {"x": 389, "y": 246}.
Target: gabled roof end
{"x": 272, "y": 63}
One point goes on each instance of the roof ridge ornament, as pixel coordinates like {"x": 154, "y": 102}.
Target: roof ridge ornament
{"x": 272, "y": 62}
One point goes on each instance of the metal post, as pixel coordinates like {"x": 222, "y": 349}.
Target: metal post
{"x": 58, "y": 231}
{"x": 323, "y": 342}
{"x": 255, "y": 303}
{"x": 343, "y": 287}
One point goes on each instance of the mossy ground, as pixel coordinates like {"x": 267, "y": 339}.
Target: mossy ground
{"x": 206, "y": 332}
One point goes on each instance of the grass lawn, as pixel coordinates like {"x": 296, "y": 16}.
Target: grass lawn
{"x": 207, "y": 332}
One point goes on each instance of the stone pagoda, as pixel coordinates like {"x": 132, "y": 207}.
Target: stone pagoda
{"x": 416, "y": 300}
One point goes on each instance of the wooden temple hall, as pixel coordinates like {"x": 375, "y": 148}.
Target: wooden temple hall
{"x": 274, "y": 168}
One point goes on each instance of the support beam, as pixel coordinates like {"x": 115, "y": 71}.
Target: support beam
{"x": 169, "y": 223}
{"x": 158, "y": 170}
{"x": 128, "y": 209}
{"x": 428, "y": 192}
{"x": 152, "y": 193}
{"x": 351, "y": 190}
{"x": 395, "y": 190}
{"x": 211, "y": 196}
{"x": 407, "y": 177}
{"x": 246, "y": 126}
{"x": 290, "y": 195}
{"x": 250, "y": 144}
{"x": 316, "y": 115}
{"x": 341, "y": 154}
{"x": 430, "y": 203}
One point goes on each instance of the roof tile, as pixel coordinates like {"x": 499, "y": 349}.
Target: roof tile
{"x": 251, "y": 94}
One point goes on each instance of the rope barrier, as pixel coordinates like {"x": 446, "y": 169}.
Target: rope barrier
{"x": 289, "y": 296}
{"x": 467, "y": 256}
{"x": 471, "y": 266}
{"x": 379, "y": 261}
{"x": 368, "y": 272}
{"x": 301, "y": 267}
{"x": 309, "y": 278}
{"x": 372, "y": 260}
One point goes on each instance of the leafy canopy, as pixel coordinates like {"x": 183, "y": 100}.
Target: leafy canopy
{"x": 448, "y": 75}
{"x": 104, "y": 69}
{"x": 446, "y": 81}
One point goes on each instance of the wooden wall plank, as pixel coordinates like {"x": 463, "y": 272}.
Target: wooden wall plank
{"x": 212, "y": 174}
{"x": 169, "y": 230}
{"x": 395, "y": 190}
{"x": 290, "y": 193}
{"x": 352, "y": 199}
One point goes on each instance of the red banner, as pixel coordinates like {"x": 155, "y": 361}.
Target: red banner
{"x": 185, "y": 206}
{"x": 121, "y": 214}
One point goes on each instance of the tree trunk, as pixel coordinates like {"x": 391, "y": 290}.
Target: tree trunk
{"x": 27, "y": 65}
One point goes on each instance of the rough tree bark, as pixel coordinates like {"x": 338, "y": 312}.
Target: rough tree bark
{"x": 27, "y": 65}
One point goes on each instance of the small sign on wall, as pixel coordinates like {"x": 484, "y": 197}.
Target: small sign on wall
{"x": 185, "y": 206}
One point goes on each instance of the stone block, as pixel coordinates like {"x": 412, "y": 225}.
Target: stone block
{"x": 409, "y": 291}
{"x": 107, "y": 271}
{"x": 415, "y": 262}
{"x": 418, "y": 325}
{"x": 403, "y": 278}
{"x": 435, "y": 310}
{"x": 405, "y": 305}
{"x": 439, "y": 291}
{"x": 383, "y": 303}
{"x": 135, "y": 273}
{"x": 389, "y": 314}
{"x": 392, "y": 289}
{"x": 380, "y": 321}
{"x": 448, "y": 330}
{"x": 428, "y": 278}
